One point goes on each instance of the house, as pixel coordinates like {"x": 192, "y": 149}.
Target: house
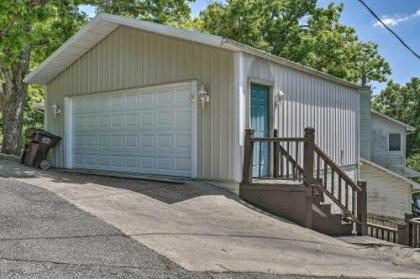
{"x": 123, "y": 95}
{"x": 389, "y": 194}
{"x": 383, "y": 164}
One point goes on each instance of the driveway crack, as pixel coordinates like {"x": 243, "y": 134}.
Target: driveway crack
{"x": 78, "y": 264}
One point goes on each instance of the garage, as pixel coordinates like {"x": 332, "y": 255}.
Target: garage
{"x": 144, "y": 130}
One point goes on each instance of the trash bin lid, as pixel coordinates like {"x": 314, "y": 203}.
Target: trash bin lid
{"x": 45, "y": 133}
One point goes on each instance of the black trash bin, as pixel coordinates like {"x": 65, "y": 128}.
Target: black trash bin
{"x": 36, "y": 149}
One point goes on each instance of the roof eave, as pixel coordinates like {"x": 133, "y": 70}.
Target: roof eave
{"x": 282, "y": 61}
{"x": 32, "y": 76}
{"x": 40, "y": 77}
{"x": 408, "y": 128}
{"x": 409, "y": 181}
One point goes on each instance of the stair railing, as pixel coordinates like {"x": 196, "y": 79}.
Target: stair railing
{"x": 318, "y": 171}
{"x": 274, "y": 154}
{"x": 350, "y": 197}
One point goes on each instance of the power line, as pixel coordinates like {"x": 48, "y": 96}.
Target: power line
{"x": 389, "y": 29}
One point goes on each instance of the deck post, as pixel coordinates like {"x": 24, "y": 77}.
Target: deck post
{"x": 362, "y": 228}
{"x": 308, "y": 156}
{"x": 276, "y": 155}
{"x": 404, "y": 231}
{"x": 248, "y": 150}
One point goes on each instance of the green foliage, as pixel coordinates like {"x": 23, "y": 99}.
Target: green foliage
{"x": 413, "y": 162}
{"x": 171, "y": 12}
{"x": 62, "y": 20}
{"x": 299, "y": 31}
{"x": 33, "y": 116}
{"x": 41, "y": 26}
{"x": 402, "y": 102}
{"x": 370, "y": 65}
{"x": 30, "y": 30}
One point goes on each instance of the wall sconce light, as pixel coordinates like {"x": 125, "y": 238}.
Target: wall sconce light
{"x": 56, "y": 109}
{"x": 204, "y": 96}
{"x": 278, "y": 97}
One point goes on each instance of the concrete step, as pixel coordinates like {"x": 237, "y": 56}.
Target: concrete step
{"x": 332, "y": 224}
{"x": 326, "y": 208}
{"x": 318, "y": 199}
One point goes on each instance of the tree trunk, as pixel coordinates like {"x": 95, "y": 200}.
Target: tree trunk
{"x": 13, "y": 103}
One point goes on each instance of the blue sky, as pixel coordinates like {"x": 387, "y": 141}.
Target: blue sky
{"x": 402, "y": 16}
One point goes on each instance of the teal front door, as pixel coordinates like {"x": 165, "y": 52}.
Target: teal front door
{"x": 260, "y": 124}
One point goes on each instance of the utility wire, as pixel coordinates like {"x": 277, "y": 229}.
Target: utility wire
{"x": 389, "y": 29}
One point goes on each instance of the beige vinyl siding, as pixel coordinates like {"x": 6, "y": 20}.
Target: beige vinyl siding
{"x": 310, "y": 101}
{"x": 380, "y": 129}
{"x": 130, "y": 58}
{"x": 388, "y": 195}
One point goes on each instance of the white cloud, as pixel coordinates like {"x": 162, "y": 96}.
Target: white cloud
{"x": 395, "y": 20}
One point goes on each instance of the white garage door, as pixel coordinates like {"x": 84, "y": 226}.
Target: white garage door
{"x": 148, "y": 130}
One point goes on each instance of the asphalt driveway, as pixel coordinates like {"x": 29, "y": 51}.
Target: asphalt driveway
{"x": 44, "y": 236}
{"x": 100, "y": 226}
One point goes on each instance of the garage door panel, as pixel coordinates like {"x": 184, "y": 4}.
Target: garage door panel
{"x": 145, "y": 131}
{"x": 143, "y": 164}
{"x": 145, "y": 140}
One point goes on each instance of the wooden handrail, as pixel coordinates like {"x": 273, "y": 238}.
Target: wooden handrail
{"x": 415, "y": 221}
{"x": 378, "y": 231}
{"x": 338, "y": 203}
{"x": 290, "y": 158}
{"x": 334, "y": 167}
{"x": 377, "y": 226}
{"x": 356, "y": 209}
{"x": 266, "y": 139}
{"x": 358, "y": 199}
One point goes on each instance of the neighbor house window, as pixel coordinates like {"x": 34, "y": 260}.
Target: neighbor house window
{"x": 394, "y": 142}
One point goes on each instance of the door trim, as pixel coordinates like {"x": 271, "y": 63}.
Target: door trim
{"x": 68, "y": 133}
{"x": 68, "y": 121}
{"x": 270, "y": 124}
{"x": 270, "y": 86}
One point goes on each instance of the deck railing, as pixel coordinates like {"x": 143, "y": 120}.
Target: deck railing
{"x": 294, "y": 158}
{"x": 406, "y": 233}
{"x": 272, "y": 157}
{"x": 414, "y": 232}
{"x": 383, "y": 232}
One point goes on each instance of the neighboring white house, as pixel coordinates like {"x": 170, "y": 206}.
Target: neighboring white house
{"x": 389, "y": 194}
{"x": 383, "y": 164}
{"x": 128, "y": 95}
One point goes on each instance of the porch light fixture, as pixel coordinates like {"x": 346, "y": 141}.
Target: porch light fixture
{"x": 56, "y": 109}
{"x": 204, "y": 96}
{"x": 278, "y": 97}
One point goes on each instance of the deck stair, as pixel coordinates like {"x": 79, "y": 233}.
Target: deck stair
{"x": 327, "y": 222}
{"x": 303, "y": 185}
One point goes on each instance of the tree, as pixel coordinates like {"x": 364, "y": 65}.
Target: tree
{"x": 402, "y": 102}
{"x": 30, "y": 30}
{"x": 172, "y": 12}
{"x": 370, "y": 65}
{"x": 299, "y": 31}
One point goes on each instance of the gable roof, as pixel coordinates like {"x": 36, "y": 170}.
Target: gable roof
{"x": 407, "y": 127}
{"x": 103, "y": 24}
{"x": 390, "y": 172}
